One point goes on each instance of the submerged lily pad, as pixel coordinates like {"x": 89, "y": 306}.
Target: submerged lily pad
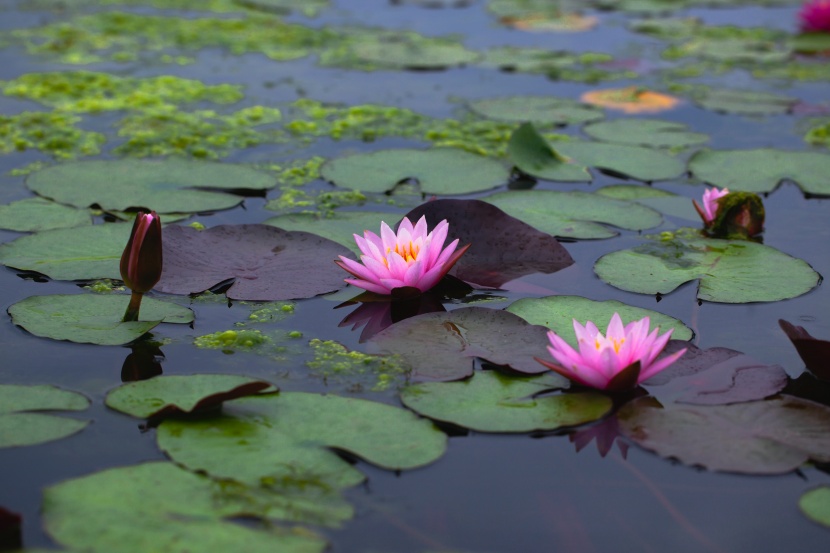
{"x": 339, "y": 227}
{"x": 502, "y": 248}
{"x": 20, "y": 427}
{"x": 759, "y": 437}
{"x": 167, "y": 186}
{"x": 437, "y": 171}
{"x": 571, "y": 214}
{"x": 273, "y": 438}
{"x": 443, "y": 346}
{"x": 169, "y": 395}
{"x": 492, "y": 402}
{"x": 762, "y": 170}
{"x": 538, "y": 109}
{"x": 36, "y": 214}
{"x": 161, "y": 507}
{"x": 645, "y": 132}
{"x": 265, "y": 263}
{"x": 93, "y": 318}
{"x": 728, "y": 271}
{"x": 569, "y": 160}
{"x": 558, "y": 312}
{"x": 82, "y": 253}
{"x": 815, "y": 504}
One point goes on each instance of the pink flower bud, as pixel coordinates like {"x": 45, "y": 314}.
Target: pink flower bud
{"x": 141, "y": 260}
{"x": 814, "y": 16}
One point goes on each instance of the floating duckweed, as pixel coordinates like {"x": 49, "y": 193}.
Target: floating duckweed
{"x": 295, "y": 334}
{"x": 308, "y": 7}
{"x": 87, "y": 91}
{"x": 298, "y": 172}
{"x": 197, "y": 225}
{"x": 322, "y": 203}
{"x": 270, "y": 312}
{"x": 819, "y": 135}
{"x": 230, "y": 341}
{"x": 126, "y": 37}
{"x": 332, "y": 360}
{"x": 201, "y": 134}
{"x": 51, "y": 133}
{"x": 104, "y": 286}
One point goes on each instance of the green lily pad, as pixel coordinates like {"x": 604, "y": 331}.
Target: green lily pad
{"x": 283, "y": 7}
{"x": 667, "y": 203}
{"x": 588, "y": 67}
{"x": 773, "y": 436}
{"x": 558, "y": 312}
{"x": 810, "y": 43}
{"x": 290, "y": 436}
{"x": 339, "y": 227}
{"x": 492, "y": 402}
{"x": 762, "y": 170}
{"x": 729, "y": 271}
{"x": 36, "y": 214}
{"x": 93, "y": 318}
{"x": 571, "y": 214}
{"x": 745, "y": 102}
{"x": 438, "y": 171}
{"x": 569, "y": 160}
{"x": 816, "y": 505}
{"x": 645, "y": 132}
{"x": 538, "y": 109}
{"x": 20, "y": 427}
{"x": 167, "y": 186}
{"x": 83, "y": 253}
{"x": 168, "y": 395}
{"x": 161, "y": 507}
{"x": 371, "y": 49}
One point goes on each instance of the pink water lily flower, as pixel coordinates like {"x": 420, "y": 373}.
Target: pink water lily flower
{"x": 710, "y": 204}
{"x": 620, "y": 360}
{"x": 814, "y": 16}
{"x": 411, "y": 258}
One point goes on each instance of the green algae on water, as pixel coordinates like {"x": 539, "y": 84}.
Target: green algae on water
{"x": 332, "y": 360}
{"x": 92, "y": 92}
{"x": 230, "y": 341}
{"x": 54, "y": 134}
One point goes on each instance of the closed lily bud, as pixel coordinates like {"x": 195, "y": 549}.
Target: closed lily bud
{"x": 740, "y": 215}
{"x": 141, "y": 260}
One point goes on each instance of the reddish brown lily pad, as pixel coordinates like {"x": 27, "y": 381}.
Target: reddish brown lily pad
{"x": 265, "y": 263}
{"x": 502, "y": 249}
{"x": 443, "y": 346}
{"x": 814, "y": 352}
{"x": 716, "y": 376}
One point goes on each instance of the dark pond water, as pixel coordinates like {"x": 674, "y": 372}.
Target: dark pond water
{"x": 488, "y": 493}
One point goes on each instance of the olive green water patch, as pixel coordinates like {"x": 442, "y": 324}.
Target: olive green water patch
{"x": 645, "y": 132}
{"x": 54, "y": 134}
{"x": 93, "y": 318}
{"x": 762, "y": 170}
{"x": 437, "y": 171}
{"x": 203, "y": 134}
{"x": 91, "y": 92}
{"x": 82, "y": 253}
{"x": 728, "y": 271}
{"x": 130, "y": 37}
{"x": 161, "y": 507}
{"x": 492, "y": 402}
{"x": 359, "y": 371}
{"x": 588, "y": 67}
{"x": 558, "y": 312}
{"x": 339, "y": 226}
{"x": 270, "y": 438}
{"x": 537, "y": 109}
{"x": 36, "y": 214}
{"x": 19, "y": 426}
{"x": 372, "y": 49}
{"x": 574, "y": 214}
{"x": 168, "y": 186}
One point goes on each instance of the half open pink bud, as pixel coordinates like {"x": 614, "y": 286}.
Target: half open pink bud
{"x": 709, "y": 210}
{"x": 141, "y": 261}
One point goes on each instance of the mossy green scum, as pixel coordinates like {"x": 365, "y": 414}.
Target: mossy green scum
{"x": 334, "y": 360}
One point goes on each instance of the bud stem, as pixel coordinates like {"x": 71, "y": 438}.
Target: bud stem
{"x": 132, "y": 310}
